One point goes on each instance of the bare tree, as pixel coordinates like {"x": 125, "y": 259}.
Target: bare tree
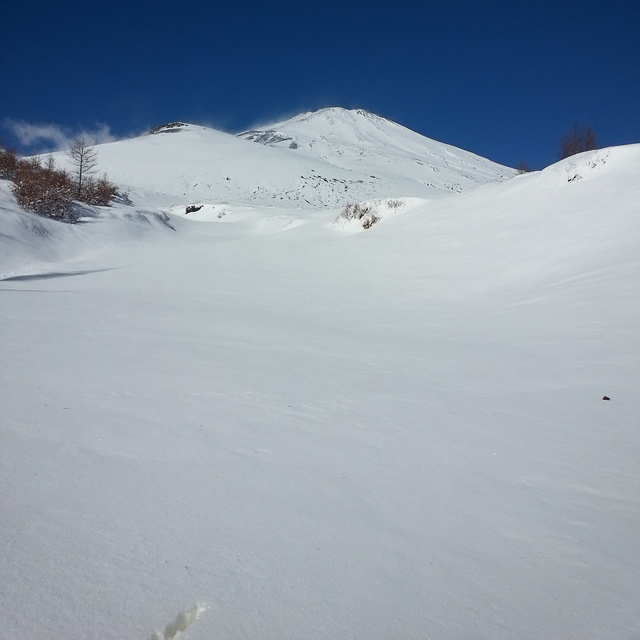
{"x": 579, "y": 140}
{"x": 85, "y": 159}
{"x": 50, "y": 164}
{"x": 8, "y": 163}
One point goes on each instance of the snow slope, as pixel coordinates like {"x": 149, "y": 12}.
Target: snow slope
{"x": 355, "y": 158}
{"x": 362, "y": 141}
{"x": 324, "y": 433}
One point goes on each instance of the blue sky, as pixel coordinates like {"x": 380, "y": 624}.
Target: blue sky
{"x": 502, "y": 79}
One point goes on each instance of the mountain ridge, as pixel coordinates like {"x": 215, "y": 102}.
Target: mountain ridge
{"x": 316, "y": 160}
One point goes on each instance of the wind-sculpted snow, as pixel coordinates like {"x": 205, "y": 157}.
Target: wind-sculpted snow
{"x": 51, "y": 274}
{"x": 423, "y": 428}
{"x": 179, "y": 624}
{"x": 582, "y": 165}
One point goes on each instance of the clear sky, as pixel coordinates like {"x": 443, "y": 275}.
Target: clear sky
{"x": 504, "y": 79}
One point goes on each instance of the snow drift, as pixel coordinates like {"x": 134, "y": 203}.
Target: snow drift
{"x": 398, "y": 432}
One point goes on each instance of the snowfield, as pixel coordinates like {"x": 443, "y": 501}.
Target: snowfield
{"x": 269, "y": 424}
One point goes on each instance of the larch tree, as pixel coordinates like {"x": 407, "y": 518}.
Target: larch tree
{"x": 579, "y": 140}
{"x": 85, "y": 159}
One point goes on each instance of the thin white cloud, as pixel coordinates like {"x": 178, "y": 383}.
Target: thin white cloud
{"x": 274, "y": 117}
{"x": 53, "y": 137}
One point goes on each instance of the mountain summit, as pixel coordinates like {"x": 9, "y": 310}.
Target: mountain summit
{"x": 362, "y": 141}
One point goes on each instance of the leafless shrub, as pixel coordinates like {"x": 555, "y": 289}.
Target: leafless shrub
{"x": 364, "y": 213}
{"x": 98, "y": 192}
{"x": 369, "y": 221}
{"x": 52, "y": 192}
{"x": 43, "y": 190}
{"x": 8, "y": 163}
{"x": 355, "y": 211}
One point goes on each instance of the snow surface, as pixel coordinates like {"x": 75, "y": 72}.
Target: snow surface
{"x": 317, "y": 431}
{"x": 351, "y": 160}
{"x": 361, "y": 141}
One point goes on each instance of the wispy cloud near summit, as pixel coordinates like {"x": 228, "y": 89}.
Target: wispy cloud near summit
{"x": 39, "y": 138}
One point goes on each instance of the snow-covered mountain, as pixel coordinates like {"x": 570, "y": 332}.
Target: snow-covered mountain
{"x": 317, "y": 160}
{"x": 379, "y": 148}
{"x": 277, "y": 424}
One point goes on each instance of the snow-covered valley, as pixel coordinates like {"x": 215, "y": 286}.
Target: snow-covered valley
{"x": 314, "y": 430}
